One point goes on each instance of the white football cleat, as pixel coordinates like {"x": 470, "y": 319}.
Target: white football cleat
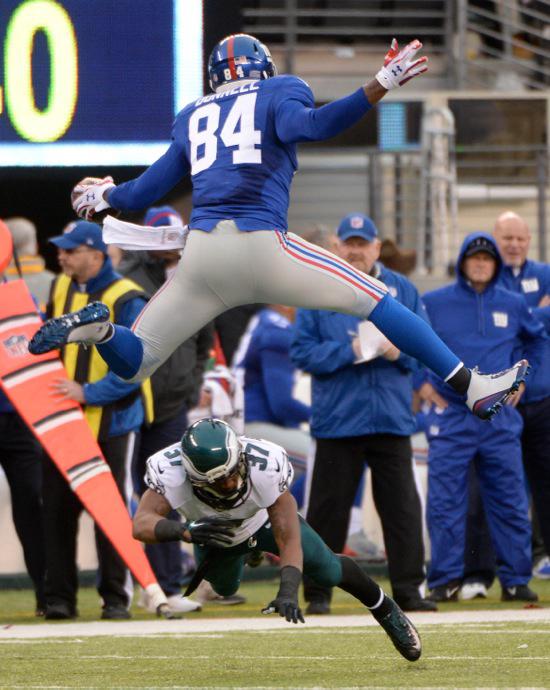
{"x": 487, "y": 393}
{"x": 179, "y": 604}
{"x": 541, "y": 569}
{"x": 205, "y": 594}
{"x": 86, "y": 326}
{"x": 472, "y": 590}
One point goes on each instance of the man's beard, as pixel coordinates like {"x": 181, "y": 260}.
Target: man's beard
{"x": 360, "y": 265}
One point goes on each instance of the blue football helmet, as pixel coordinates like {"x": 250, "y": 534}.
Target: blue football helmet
{"x": 239, "y": 56}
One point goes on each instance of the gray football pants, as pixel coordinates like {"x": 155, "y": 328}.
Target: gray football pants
{"x": 226, "y": 268}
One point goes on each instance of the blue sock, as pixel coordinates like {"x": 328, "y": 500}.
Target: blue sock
{"x": 123, "y": 352}
{"x": 412, "y": 335}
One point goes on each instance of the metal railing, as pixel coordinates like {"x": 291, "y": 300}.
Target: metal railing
{"x": 504, "y": 44}
{"x": 425, "y": 199}
{"x": 296, "y": 23}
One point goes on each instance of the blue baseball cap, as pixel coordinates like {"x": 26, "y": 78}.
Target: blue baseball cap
{"x": 80, "y": 233}
{"x": 357, "y": 225}
{"x": 162, "y": 215}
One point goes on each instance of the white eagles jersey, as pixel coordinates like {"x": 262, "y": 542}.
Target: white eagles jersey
{"x": 269, "y": 475}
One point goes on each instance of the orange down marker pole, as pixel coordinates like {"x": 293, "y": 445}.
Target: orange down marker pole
{"x": 62, "y": 430}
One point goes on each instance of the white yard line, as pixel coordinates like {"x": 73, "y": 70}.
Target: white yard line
{"x": 190, "y": 626}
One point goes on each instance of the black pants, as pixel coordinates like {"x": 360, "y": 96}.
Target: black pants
{"x": 62, "y": 509}
{"x": 21, "y": 458}
{"x": 339, "y": 465}
{"x": 535, "y": 444}
{"x": 166, "y": 558}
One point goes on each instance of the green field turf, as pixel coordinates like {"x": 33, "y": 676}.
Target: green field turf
{"x": 468, "y": 656}
{"x": 17, "y": 606}
{"x": 472, "y": 655}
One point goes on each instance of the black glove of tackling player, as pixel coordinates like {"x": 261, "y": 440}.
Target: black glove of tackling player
{"x": 210, "y": 531}
{"x": 286, "y": 601}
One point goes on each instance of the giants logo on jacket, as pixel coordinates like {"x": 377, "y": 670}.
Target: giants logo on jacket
{"x": 500, "y": 319}
{"x": 530, "y": 285}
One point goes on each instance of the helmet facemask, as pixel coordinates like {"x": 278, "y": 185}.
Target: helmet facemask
{"x": 211, "y": 452}
{"x": 219, "y": 500}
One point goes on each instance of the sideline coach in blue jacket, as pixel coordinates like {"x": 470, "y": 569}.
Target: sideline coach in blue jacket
{"x": 532, "y": 280}
{"x": 487, "y": 324}
{"x": 361, "y": 413}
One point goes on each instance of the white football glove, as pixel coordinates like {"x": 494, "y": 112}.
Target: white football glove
{"x": 401, "y": 65}
{"x": 87, "y": 196}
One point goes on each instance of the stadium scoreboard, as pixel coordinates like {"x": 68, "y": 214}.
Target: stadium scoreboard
{"x": 95, "y": 83}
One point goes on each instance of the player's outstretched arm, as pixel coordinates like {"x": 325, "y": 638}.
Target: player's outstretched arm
{"x": 297, "y": 121}
{"x": 285, "y": 524}
{"x": 152, "y": 508}
{"x": 283, "y": 515}
{"x": 151, "y": 526}
{"x": 93, "y": 195}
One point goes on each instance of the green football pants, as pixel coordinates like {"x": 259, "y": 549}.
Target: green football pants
{"x": 225, "y": 568}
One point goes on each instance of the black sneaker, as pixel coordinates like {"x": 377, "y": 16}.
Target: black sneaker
{"x": 59, "y": 612}
{"x": 448, "y": 592}
{"x": 416, "y": 604}
{"x": 518, "y": 593}
{"x": 321, "y": 607}
{"x": 401, "y": 631}
{"x": 115, "y": 612}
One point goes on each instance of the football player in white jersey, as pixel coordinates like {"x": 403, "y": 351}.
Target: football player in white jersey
{"x": 233, "y": 494}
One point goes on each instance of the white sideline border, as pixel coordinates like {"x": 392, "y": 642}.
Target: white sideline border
{"x": 223, "y": 625}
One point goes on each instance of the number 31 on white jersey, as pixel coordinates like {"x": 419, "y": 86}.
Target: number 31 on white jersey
{"x": 238, "y": 130}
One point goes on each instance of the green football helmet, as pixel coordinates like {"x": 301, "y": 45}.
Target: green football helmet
{"x": 211, "y": 451}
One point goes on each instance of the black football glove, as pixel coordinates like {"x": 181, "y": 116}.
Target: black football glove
{"x": 211, "y": 531}
{"x": 286, "y": 601}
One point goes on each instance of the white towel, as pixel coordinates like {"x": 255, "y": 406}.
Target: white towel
{"x": 142, "y": 237}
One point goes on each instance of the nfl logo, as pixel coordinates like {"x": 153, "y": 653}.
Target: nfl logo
{"x": 16, "y": 346}
{"x": 357, "y": 222}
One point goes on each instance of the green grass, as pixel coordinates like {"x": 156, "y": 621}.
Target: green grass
{"x": 473, "y": 655}
{"x": 17, "y": 606}
{"x": 477, "y": 655}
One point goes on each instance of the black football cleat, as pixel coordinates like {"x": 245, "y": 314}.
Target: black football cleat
{"x": 518, "y": 593}
{"x": 401, "y": 631}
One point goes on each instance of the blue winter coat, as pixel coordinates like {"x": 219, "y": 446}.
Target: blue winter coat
{"x": 269, "y": 373}
{"x": 533, "y": 282}
{"x": 491, "y": 329}
{"x": 355, "y": 399}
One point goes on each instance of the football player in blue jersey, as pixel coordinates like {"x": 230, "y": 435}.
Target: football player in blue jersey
{"x": 238, "y": 144}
